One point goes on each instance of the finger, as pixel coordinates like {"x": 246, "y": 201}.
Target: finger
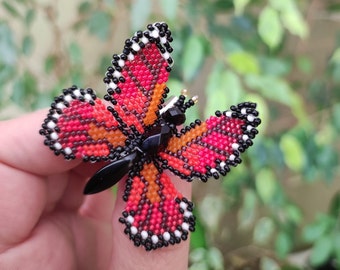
{"x": 127, "y": 256}
{"x": 23, "y": 147}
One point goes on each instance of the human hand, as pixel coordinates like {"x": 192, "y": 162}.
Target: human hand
{"x": 47, "y": 223}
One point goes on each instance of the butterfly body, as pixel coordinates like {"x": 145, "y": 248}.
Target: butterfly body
{"x": 144, "y": 147}
{"x": 137, "y": 135}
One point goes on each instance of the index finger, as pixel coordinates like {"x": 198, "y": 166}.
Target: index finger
{"x": 23, "y": 147}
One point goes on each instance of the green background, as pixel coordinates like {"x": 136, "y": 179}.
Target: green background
{"x": 280, "y": 209}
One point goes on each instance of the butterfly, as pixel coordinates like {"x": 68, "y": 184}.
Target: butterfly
{"x": 137, "y": 133}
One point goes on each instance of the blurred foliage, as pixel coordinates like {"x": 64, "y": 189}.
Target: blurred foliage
{"x": 228, "y": 52}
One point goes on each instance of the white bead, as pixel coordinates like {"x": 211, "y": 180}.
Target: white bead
{"x": 245, "y": 137}
{"x": 185, "y": 226}
{"x": 243, "y": 110}
{"x": 57, "y": 146}
{"x": 235, "y": 146}
{"x": 154, "y": 239}
{"x": 135, "y": 47}
{"x": 213, "y": 170}
{"x": 228, "y": 113}
{"x": 51, "y": 124}
{"x": 249, "y": 127}
{"x": 187, "y": 214}
{"x": 222, "y": 164}
{"x": 56, "y": 115}
{"x": 145, "y": 40}
{"x": 130, "y": 57}
{"x": 68, "y": 98}
{"x": 177, "y": 233}
{"x": 121, "y": 62}
{"x": 54, "y": 136}
{"x": 60, "y": 105}
{"x": 144, "y": 234}
{"x": 67, "y": 151}
{"x": 232, "y": 157}
{"x": 112, "y": 85}
{"x": 130, "y": 219}
{"x": 183, "y": 205}
{"x": 166, "y": 55}
{"x": 163, "y": 40}
{"x": 166, "y": 236}
{"x": 250, "y": 118}
{"x": 117, "y": 74}
{"x": 77, "y": 93}
{"x": 133, "y": 230}
{"x": 154, "y": 33}
{"x": 87, "y": 97}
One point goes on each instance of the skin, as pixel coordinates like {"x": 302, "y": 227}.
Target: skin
{"x": 47, "y": 223}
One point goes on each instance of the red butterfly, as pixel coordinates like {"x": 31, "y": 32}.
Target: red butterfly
{"x": 137, "y": 135}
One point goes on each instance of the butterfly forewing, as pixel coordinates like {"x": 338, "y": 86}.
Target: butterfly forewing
{"x": 136, "y": 80}
{"x": 209, "y": 148}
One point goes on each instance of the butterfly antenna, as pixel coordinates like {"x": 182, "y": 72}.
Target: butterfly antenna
{"x": 184, "y": 105}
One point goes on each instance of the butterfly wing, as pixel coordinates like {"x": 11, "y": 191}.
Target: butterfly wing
{"x": 136, "y": 80}
{"x": 78, "y": 125}
{"x": 156, "y": 214}
{"x": 206, "y": 149}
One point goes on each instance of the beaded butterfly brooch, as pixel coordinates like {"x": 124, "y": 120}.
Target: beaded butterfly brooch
{"x": 136, "y": 133}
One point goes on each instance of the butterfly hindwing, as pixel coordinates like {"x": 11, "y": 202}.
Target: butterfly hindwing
{"x": 208, "y": 149}
{"x": 156, "y": 214}
{"x": 79, "y": 126}
{"x": 136, "y": 80}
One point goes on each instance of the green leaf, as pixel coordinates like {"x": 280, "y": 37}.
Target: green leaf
{"x": 272, "y": 66}
{"x": 11, "y": 9}
{"x": 84, "y": 7}
{"x": 271, "y": 87}
{"x": 244, "y": 62}
{"x": 239, "y": 6}
{"x": 263, "y": 230}
{"x": 335, "y": 116}
{"x": 247, "y": 213}
{"x": 30, "y": 15}
{"x": 267, "y": 263}
{"x": 293, "y": 213}
{"x": 140, "y": 12}
{"x": 291, "y": 17}
{"x": 321, "y": 250}
{"x": 318, "y": 228}
{"x": 293, "y": 152}
{"x": 334, "y": 208}
{"x": 270, "y": 28}
{"x": 304, "y": 64}
{"x": 197, "y": 255}
{"x": 50, "y": 63}
{"x": 283, "y": 244}
{"x": 193, "y": 56}
{"x": 336, "y": 246}
{"x": 8, "y": 54}
{"x": 215, "y": 259}
{"x": 223, "y": 88}
{"x": 99, "y": 24}
{"x": 197, "y": 239}
{"x": 75, "y": 53}
{"x": 211, "y": 218}
{"x": 27, "y": 45}
{"x": 266, "y": 185}
{"x": 169, "y": 8}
